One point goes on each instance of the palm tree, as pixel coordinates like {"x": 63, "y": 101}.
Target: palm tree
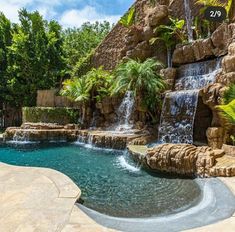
{"x": 99, "y": 81}
{"x": 78, "y": 90}
{"x": 142, "y": 79}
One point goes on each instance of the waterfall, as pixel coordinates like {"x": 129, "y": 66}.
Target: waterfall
{"x": 125, "y": 111}
{"x": 179, "y": 107}
{"x": 189, "y": 20}
{"x": 21, "y": 136}
{"x": 169, "y": 58}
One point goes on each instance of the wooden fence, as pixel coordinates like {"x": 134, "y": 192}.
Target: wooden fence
{"x": 51, "y": 98}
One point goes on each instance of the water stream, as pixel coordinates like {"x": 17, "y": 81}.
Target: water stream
{"x": 21, "y": 136}
{"x": 125, "y": 112}
{"x": 189, "y": 19}
{"x": 179, "y": 107}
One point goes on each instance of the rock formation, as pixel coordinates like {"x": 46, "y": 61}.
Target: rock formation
{"x": 181, "y": 159}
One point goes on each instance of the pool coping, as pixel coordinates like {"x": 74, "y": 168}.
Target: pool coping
{"x": 67, "y": 193}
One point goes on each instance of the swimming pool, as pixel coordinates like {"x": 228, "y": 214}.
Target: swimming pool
{"x": 110, "y": 181}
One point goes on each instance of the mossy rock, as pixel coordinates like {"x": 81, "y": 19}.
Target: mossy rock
{"x": 60, "y": 115}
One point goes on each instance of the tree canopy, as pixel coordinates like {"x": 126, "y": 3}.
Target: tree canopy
{"x": 37, "y": 54}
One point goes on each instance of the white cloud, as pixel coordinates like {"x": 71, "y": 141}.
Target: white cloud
{"x": 11, "y": 7}
{"x": 75, "y": 18}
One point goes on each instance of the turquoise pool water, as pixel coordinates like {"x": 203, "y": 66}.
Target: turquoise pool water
{"x": 110, "y": 182}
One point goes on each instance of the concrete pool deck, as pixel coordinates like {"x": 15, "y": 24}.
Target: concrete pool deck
{"x": 41, "y": 199}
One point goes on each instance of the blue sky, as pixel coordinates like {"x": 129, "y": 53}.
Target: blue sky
{"x": 69, "y": 13}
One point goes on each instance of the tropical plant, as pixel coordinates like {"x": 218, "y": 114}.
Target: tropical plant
{"x": 170, "y": 33}
{"x": 142, "y": 79}
{"x": 229, "y": 94}
{"x": 227, "y": 112}
{"x": 129, "y": 18}
{"x": 89, "y": 88}
{"x": 201, "y": 27}
{"x": 229, "y": 6}
{"x": 77, "y": 90}
{"x": 99, "y": 81}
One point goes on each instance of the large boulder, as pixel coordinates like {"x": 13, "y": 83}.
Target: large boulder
{"x": 156, "y": 15}
{"x": 169, "y": 75}
{"x": 221, "y": 38}
{"x": 141, "y": 51}
{"x": 215, "y": 137}
{"x": 202, "y": 49}
{"x": 182, "y": 159}
{"x": 133, "y": 37}
{"x": 228, "y": 64}
{"x": 226, "y": 79}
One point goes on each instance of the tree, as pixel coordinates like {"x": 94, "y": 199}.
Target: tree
{"x": 5, "y": 41}
{"x": 129, "y": 18}
{"x": 88, "y": 89}
{"x": 78, "y": 42}
{"x": 77, "y": 90}
{"x": 35, "y": 57}
{"x": 142, "y": 79}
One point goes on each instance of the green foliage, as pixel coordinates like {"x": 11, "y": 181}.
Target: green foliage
{"x": 5, "y": 41}
{"x": 76, "y": 89}
{"x": 58, "y": 115}
{"x": 34, "y": 58}
{"x": 99, "y": 81}
{"x": 201, "y": 27}
{"x": 142, "y": 79}
{"x": 229, "y": 94}
{"x": 227, "y": 112}
{"x": 228, "y": 7}
{"x": 79, "y": 42}
{"x": 83, "y": 66}
{"x": 92, "y": 86}
{"x": 171, "y": 33}
{"x": 129, "y": 18}
{"x": 37, "y": 54}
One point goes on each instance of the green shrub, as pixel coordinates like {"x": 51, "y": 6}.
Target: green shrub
{"x": 60, "y": 115}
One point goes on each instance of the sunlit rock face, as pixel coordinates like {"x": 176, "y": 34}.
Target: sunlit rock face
{"x": 215, "y": 46}
{"x": 182, "y": 159}
{"x": 40, "y": 132}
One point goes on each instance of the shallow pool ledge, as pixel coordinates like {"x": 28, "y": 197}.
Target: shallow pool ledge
{"x": 216, "y": 209}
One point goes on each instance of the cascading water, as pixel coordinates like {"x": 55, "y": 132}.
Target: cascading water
{"x": 21, "y": 136}
{"x": 189, "y": 19}
{"x": 169, "y": 58}
{"x": 179, "y": 107}
{"x": 125, "y": 111}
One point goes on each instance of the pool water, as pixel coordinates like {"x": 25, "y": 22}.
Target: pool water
{"x": 110, "y": 182}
